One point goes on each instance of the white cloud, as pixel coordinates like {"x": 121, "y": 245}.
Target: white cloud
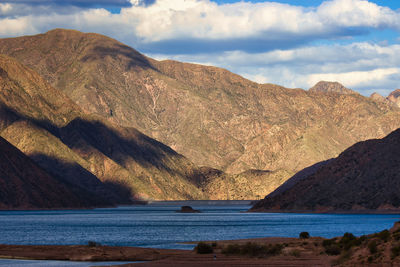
{"x": 362, "y": 66}
{"x": 354, "y": 78}
{"x": 206, "y": 20}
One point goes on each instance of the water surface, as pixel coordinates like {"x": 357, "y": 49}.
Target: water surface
{"x": 158, "y": 225}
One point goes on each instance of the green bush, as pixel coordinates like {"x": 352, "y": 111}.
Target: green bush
{"x": 204, "y": 248}
{"x": 304, "y": 235}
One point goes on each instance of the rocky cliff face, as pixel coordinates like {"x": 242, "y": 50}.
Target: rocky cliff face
{"x": 363, "y": 177}
{"x": 213, "y": 117}
{"x": 209, "y": 115}
{"x": 110, "y": 161}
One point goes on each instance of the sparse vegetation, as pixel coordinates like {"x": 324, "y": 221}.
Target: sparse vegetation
{"x": 253, "y": 249}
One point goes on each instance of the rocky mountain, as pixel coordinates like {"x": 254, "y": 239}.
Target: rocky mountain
{"x": 331, "y": 87}
{"x": 363, "y": 177}
{"x": 394, "y": 97}
{"x": 379, "y": 98}
{"x": 210, "y": 115}
{"x": 112, "y": 162}
{"x": 24, "y": 185}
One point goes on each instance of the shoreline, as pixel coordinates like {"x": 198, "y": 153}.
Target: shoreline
{"x": 344, "y": 212}
{"x": 309, "y": 254}
{"x": 265, "y": 251}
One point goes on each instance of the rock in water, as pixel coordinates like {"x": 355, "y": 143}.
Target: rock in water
{"x": 188, "y": 209}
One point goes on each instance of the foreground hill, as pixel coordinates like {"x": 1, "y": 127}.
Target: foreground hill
{"x": 24, "y": 185}
{"x": 210, "y": 115}
{"x": 109, "y": 161}
{"x": 364, "y": 177}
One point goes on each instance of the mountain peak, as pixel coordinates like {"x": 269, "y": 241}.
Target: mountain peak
{"x": 393, "y": 96}
{"x": 377, "y": 97}
{"x": 331, "y": 87}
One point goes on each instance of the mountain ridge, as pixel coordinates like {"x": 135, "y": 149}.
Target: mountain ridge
{"x": 364, "y": 177}
{"x": 207, "y": 114}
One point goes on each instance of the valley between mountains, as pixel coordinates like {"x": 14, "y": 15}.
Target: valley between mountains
{"x": 109, "y": 125}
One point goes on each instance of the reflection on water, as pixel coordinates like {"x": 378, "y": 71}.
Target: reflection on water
{"x": 159, "y": 225}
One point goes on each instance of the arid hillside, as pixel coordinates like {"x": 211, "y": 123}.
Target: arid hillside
{"x": 110, "y": 161}
{"x": 213, "y": 117}
{"x": 364, "y": 177}
{"x": 24, "y": 185}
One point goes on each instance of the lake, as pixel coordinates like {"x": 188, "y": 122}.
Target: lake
{"x": 158, "y": 225}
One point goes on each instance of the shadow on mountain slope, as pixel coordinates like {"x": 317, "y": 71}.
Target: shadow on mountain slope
{"x": 107, "y": 193}
{"x": 135, "y": 58}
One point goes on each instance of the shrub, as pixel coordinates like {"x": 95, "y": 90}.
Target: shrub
{"x": 214, "y": 244}
{"x": 373, "y": 247}
{"x": 93, "y": 244}
{"x": 253, "y": 249}
{"x": 203, "y": 248}
{"x": 348, "y": 240}
{"x": 304, "y": 235}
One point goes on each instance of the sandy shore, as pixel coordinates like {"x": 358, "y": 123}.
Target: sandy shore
{"x": 380, "y": 249}
{"x": 308, "y": 256}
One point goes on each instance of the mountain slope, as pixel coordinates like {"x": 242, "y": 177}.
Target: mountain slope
{"x": 107, "y": 160}
{"x": 212, "y": 116}
{"x": 363, "y": 177}
{"x": 208, "y": 114}
{"x": 24, "y": 185}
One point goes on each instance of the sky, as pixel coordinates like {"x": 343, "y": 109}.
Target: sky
{"x": 291, "y": 43}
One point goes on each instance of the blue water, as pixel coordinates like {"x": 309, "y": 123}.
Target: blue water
{"x": 158, "y": 225}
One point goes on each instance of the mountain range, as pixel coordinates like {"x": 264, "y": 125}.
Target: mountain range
{"x": 96, "y": 113}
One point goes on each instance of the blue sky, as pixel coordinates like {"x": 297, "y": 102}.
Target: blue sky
{"x": 291, "y": 43}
